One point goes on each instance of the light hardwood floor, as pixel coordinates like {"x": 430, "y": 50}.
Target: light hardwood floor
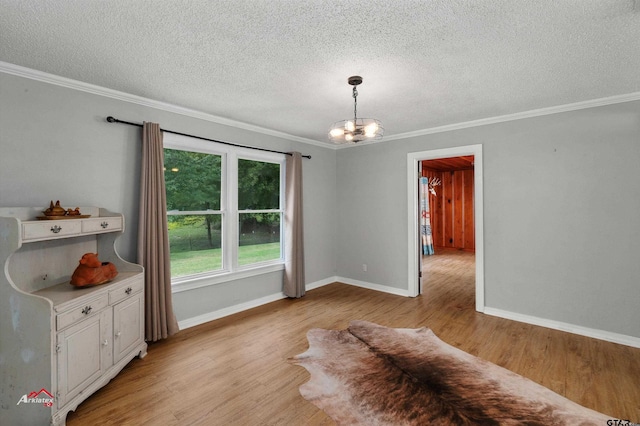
{"x": 234, "y": 371}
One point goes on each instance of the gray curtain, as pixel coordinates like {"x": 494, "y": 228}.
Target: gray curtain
{"x": 294, "y": 285}
{"x": 153, "y": 238}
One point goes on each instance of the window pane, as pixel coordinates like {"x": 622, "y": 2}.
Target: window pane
{"x": 259, "y": 237}
{"x": 195, "y": 243}
{"x": 258, "y": 185}
{"x": 192, "y": 179}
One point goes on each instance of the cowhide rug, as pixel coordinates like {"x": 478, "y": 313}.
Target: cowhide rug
{"x": 374, "y": 375}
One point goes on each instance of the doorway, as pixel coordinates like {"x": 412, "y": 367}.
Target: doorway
{"x": 450, "y": 201}
{"x": 415, "y": 254}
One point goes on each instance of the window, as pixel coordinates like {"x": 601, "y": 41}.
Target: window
{"x": 259, "y": 213}
{"x": 194, "y": 215}
{"x": 225, "y": 208}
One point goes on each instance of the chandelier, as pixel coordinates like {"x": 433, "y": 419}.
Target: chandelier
{"x": 356, "y": 129}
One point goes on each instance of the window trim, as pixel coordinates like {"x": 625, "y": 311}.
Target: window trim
{"x": 192, "y": 282}
{"x": 229, "y": 211}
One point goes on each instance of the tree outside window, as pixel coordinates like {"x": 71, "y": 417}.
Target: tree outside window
{"x": 223, "y": 212}
{"x": 259, "y": 211}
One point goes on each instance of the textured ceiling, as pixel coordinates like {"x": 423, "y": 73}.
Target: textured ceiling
{"x": 283, "y": 64}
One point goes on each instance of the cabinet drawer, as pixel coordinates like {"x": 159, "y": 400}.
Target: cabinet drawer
{"x": 90, "y": 308}
{"x": 50, "y": 229}
{"x": 102, "y": 224}
{"x": 125, "y": 291}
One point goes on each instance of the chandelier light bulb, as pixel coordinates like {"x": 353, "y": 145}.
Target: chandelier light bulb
{"x": 370, "y": 130}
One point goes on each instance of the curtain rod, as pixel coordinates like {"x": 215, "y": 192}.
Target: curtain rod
{"x": 111, "y": 119}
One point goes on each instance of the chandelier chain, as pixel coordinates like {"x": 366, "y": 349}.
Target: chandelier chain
{"x": 355, "y": 105}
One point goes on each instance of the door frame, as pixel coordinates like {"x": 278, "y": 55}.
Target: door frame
{"x": 413, "y": 160}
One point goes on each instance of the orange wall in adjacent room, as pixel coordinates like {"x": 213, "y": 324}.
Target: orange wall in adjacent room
{"x": 452, "y": 208}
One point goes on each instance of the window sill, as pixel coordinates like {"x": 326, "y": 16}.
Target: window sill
{"x": 185, "y": 284}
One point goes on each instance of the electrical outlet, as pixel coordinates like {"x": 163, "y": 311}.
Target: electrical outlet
{"x": 364, "y": 267}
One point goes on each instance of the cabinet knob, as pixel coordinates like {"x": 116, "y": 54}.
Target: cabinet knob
{"x": 104, "y": 225}
{"x": 87, "y": 309}
{"x": 105, "y": 342}
{"x": 128, "y": 290}
{"x": 118, "y": 334}
{"x": 55, "y": 229}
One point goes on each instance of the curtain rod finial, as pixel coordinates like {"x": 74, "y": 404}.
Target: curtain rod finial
{"x": 110, "y": 119}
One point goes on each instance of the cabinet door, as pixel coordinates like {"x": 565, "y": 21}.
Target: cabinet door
{"x": 128, "y": 326}
{"x": 84, "y": 354}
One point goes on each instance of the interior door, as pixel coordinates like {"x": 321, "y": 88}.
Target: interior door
{"x": 419, "y": 254}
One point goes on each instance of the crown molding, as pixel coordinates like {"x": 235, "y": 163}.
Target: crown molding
{"x": 139, "y": 100}
{"x": 44, "y": 77}
{"x": 629, "y": 97}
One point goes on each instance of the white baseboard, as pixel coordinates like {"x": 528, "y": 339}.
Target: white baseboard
{"x": 562, "y": 326}
{"x": 528, "y": 319}
{"x": 321, "y": 283}
{"x": 371, "y": 286}
{"x": 220, "y": 313}
{"x": 224, "y": 312}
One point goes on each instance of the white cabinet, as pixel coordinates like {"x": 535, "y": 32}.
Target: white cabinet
{"x": 83, "y": 354}
{"x": 56, "y": 339}
{"x": 128, "y": 318}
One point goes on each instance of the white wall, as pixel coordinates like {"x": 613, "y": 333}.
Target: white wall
{"x": 56, "y": 144}
{"x": 561, "y": 197}
{"x": 561, "y": 214}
